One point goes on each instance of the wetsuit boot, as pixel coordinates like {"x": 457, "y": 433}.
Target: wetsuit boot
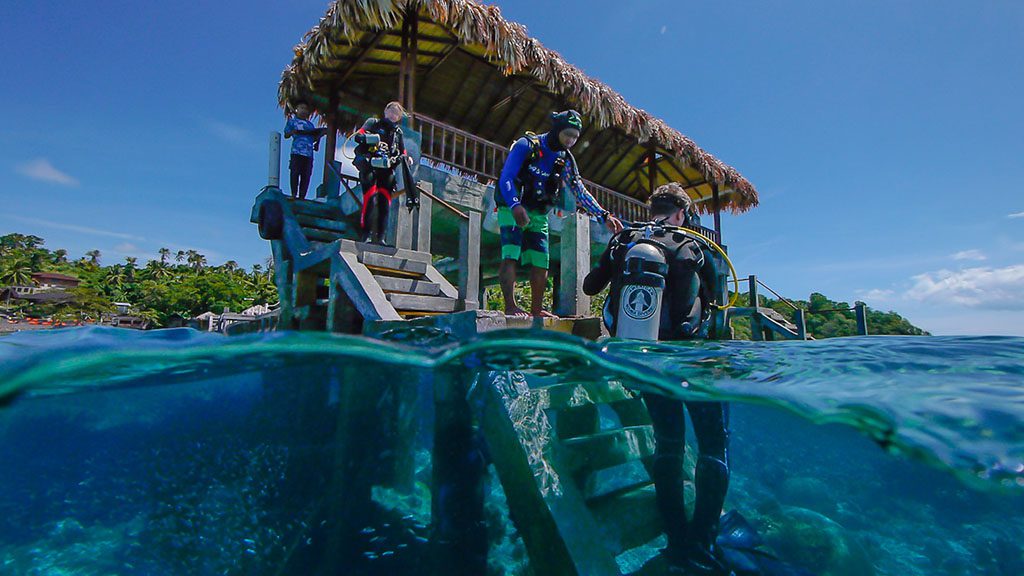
{"x": 381, "y": 217}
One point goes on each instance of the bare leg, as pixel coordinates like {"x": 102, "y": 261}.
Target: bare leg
{"x": 539, "y": 285}
{"x": 507, "y": 278}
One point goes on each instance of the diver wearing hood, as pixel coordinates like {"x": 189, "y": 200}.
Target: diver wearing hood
{"x": 690, "y": 279}
{"x": 537, "y": 168}
{"x": 380, "y": 148}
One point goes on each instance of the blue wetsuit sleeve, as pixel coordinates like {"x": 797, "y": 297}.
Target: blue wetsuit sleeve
{"x": 289, "y": 128}
{"x": 583, "y": 197}
{"x": 600, "y": 276}
{"x": 513, "y": 164}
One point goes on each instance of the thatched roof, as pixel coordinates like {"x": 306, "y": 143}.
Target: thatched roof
{"x": 485, "y": 75}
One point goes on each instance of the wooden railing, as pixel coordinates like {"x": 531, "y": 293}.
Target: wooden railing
{"x": 484, "y": 159}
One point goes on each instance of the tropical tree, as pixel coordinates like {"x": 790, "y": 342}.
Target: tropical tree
{"x": 165, "y": 253}
{"x": 16, "y": 272}
{"x": 179, "y": 257}
{"x": 60, "y": 256}
{"x": 94, "y": 257}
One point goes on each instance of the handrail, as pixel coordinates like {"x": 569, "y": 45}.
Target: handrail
{"x": 457, "y": 212}
{"x": 850, "y": 309}
{"x": 341, "y": 180}
{"x": 485, "y": 159}
{"x": 777, "y": 295}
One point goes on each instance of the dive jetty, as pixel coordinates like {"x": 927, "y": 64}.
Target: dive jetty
{"x": 472, "y": 82}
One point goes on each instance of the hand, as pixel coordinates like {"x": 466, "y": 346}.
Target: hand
{"x": 521, "y": 216}
{"x": 613, "y": 224}
{"x": 383, "y": 147}
{"x": 316, "y": 146}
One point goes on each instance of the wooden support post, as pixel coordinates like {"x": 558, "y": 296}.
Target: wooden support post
{"x": 422, "y": 224}
{"x": 800, "y": 319}
{"x": 403, "y": 62}
{"x": 469, "y": 261}
{"x": 756, "y": 328}
{"x": 861, "y": 310}
{"x": 575, "y": 265}
{"x": 410, "y": 88}
{"x": 718, "y": 211}
{"x": 652, "y": 155}
{"x": 285, "y": 286}
{"x": 404, "y": 222}
{"x": 458, "y": 531}
{"x": 306, "y": 283}
{"x": 331, "y": 144}
{"x": 274, "y": 167}
{"x": 723, "y": 330}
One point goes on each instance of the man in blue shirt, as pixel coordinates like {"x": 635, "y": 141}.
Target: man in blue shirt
{"x": 305, "y": 140}
{"x": 537, "y": 168}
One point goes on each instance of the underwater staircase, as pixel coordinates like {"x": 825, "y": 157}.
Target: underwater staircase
{"x": 563, "y": 470}
{"x": 329, "y": 281}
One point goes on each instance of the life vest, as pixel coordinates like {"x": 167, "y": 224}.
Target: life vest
{"x": 539, "y": 197}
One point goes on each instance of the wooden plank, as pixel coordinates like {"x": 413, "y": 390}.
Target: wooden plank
{"x": 317, "y": 235}
{"x": 469, "y": 261}
{"x": 393, "y": 263}
{"x": 328, "y": 210}
{"x": 329, "y": 224}
{"x": 610, "y": 448}
{"x": 415, "y": 303}
{"x": 408, "y": 286}
{"x": 629, "y": 520}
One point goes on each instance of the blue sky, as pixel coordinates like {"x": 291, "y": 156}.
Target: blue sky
{"x": 885, "y": 138}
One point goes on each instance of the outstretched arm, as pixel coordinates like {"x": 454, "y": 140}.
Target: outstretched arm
{"x": 585, "y": 199}
{"x": 601, "y": 275}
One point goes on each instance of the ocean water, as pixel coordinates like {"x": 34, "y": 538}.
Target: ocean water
{"x": 180, "y": 452}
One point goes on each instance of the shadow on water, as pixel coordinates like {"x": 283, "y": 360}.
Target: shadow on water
{"x": 181, "y": 452}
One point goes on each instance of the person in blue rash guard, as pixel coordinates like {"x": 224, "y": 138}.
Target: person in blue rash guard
{"x": 537, "y": 168}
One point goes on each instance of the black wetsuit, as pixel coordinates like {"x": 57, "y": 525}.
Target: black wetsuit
{"x": 378, "y": 184}
{"x": 689, "y": 291}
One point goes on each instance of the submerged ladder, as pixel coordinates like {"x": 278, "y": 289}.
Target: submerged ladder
{"x": 565, "y": 473}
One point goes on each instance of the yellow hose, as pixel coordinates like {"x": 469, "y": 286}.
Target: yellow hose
{"x": 710, "y": 242}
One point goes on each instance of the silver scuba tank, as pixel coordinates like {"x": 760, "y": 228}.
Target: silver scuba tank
{"x": 640, "y": 299}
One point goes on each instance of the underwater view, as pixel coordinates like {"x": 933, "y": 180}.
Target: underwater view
{"x": 181, "y": 452}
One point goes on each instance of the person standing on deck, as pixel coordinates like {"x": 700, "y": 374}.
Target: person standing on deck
{"x": 305, "y": 140}
{"x": 687, "y": 300}
{"x": 380, "y": 147}
{"x": 537, "y": 168}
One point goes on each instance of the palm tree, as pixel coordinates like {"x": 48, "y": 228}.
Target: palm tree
{"x": 94, "y": 257}
{"x": 165, "y": 253}
{"x": 231, "y": 266}
{"x": 157, "y": 270}
{"x": 180, "y": 256}
{"x": 17, "y": 272}
{"x": 116, "y": 277}
{"x": 60, "y": 256}
{"x": 196, "y": 260}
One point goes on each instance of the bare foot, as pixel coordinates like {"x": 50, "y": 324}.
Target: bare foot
{"x": 544, "y": 314}
{"x": 516, "y": 312}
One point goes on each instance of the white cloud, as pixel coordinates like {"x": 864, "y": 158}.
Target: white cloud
{"x": 1016, "y": 215}
{"x": 664, "y": 29}
{"x": 41, "y": 169}
{"x": 75, "y": 228}
{"x": 985, "y": 288}
{"x": 229, "y": 132}
{"x": 876, "y": 295}
{"x": 969, "y": 255}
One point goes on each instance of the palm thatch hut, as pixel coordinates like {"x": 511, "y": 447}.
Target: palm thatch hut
{"x": 474, "y": 81}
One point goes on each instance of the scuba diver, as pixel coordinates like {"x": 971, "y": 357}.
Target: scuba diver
{"x": 676, "y": 272}
{"x": 537, "y": 168}
{"x": 690, "y": 279}
{"x": 380, "y": 149}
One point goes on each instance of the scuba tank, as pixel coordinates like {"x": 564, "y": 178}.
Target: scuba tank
{"x": 641, "y": 296}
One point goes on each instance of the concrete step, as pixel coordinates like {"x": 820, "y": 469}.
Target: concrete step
{"x": 609, "y": 448}
{"x": 393, "y": 265}
{"x": 629, "y": 519}
{"x": 391, "y": 284}
{"x": 413, "y": 303}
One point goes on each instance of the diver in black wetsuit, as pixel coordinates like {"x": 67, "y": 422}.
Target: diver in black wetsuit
{"x": 687, "y": 301}
{"x": 380, "y": 148}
